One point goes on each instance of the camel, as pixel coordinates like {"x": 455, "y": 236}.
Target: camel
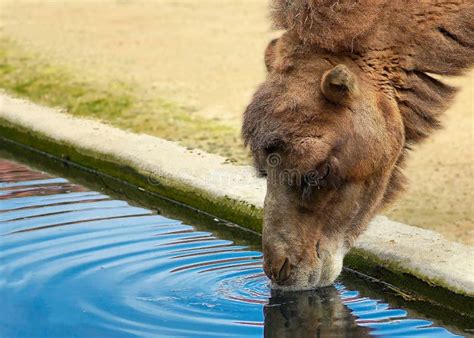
{"x": 351, "y": 86}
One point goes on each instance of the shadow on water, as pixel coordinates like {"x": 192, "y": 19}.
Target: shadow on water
{"x": 79, "y": 262}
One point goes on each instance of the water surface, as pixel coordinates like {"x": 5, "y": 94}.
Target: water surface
{"x": 78, "y": 263}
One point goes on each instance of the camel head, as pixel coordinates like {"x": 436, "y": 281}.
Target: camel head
{"x": 330, "y": 126}
{"x": 328, "y": 142}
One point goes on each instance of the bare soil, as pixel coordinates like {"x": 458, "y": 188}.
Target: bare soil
{"x": 208, "y": 55}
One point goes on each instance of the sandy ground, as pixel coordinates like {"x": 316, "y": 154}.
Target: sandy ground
{"x": 208, "y": 54}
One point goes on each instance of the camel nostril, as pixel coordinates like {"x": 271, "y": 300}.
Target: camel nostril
{"x": 317, "y": 249}
{"x": 285, "y": 271}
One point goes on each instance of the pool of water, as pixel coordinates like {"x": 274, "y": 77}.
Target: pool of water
{"x": 78, "y": 263}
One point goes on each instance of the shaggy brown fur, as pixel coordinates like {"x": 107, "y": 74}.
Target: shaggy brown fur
{"x": 351, "y": 85}
{"x": 398, "y": 42}
{"x": 333, "y": 25}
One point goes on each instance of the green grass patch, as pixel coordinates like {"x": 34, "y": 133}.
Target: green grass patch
{"x": 28, "y": 75}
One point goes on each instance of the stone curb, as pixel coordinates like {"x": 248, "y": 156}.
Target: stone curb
{"x": 208, "y": 182}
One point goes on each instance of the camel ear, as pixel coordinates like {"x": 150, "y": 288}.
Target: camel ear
{"x": 339, "y": 84}
{"x": 270, "y": 54}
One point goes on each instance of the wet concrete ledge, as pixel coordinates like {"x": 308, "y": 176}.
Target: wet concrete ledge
{"x": 393, "y": 251}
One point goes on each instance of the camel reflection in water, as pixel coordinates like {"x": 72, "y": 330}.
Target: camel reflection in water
{"x": 315, "y": 313}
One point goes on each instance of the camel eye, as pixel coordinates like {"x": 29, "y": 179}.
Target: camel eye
{"x": 273, "y": 147}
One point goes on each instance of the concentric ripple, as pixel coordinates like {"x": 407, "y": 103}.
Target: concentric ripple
{"x": 77, "y": 263}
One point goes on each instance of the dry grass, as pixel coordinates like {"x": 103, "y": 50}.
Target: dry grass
{"x": 26, "y": 74}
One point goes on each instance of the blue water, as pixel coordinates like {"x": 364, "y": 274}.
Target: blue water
{"x": 76, "y": 263}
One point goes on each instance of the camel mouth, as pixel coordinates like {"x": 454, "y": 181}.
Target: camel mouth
{"x": 303, "y": 276}
{"x": 304, "y": 280}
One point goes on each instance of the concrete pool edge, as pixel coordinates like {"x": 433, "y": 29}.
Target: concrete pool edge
{"x": 209, "y": 183}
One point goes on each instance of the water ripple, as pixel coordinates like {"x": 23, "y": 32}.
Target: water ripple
{"x": 77, "y": 263}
